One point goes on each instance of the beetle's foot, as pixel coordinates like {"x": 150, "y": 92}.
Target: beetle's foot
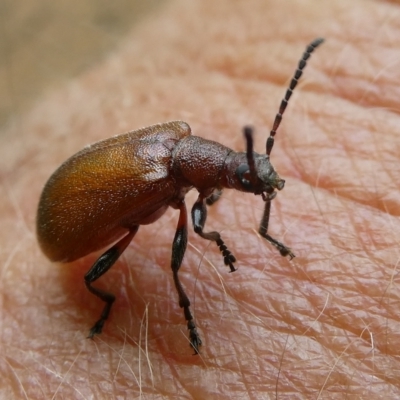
{"x": 229, "y": 258}
{"x": 285, "y": 251}
{"x": 96, "y": 329}
{"x": 194, "y": 337}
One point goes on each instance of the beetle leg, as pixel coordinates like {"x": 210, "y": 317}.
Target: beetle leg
{"x": 199, "y": 216}
{"x": 99, "y": 268}
{"x": 214, "y": 197}
{"x": 284, "y": 250}
{"x": 178, "y": 250}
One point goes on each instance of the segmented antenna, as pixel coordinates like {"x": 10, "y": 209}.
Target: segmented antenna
{"x": 299, "y": 71}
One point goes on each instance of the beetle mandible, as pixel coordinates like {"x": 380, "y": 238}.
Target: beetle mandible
{"x": 102, "y": 194}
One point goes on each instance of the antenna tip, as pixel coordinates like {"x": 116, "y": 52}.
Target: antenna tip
{"x": 317, "y": 42}
{"x": 248, "y": 131}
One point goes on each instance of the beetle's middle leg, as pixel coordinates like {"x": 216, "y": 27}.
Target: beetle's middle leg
{"x": 99, "y": 268}
{"x": 178, "y": 250}
{"x": 199, "y": 216}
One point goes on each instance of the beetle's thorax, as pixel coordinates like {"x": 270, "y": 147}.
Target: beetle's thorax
{"x": 199, "y": 162}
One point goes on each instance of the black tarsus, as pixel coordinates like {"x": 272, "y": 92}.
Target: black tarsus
{"x": 199, "y": 216}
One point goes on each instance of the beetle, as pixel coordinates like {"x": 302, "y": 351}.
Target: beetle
{"x": 100, "y": 196}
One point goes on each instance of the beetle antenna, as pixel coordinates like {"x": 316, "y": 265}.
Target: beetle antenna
{"x": 248, "y": 134}
{"x": 299, "y": 71}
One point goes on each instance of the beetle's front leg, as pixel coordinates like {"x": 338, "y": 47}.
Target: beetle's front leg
{"x": 199, "y": 216}
{"x": 178, "y": 251}
{"x": 284, "y": 250}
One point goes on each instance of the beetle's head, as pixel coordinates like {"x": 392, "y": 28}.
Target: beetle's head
{"x": 257, "y": 175}
{"x": 254, "y": 172}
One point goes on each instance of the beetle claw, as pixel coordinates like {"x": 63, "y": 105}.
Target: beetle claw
{"x": 96, "y": 329}
{"x": 195, "y": 341}
{"x": 231, "y": 266}
{"x": 285, "y": 251}
{"x": 229, "y": 258}
{"x": 194, "y": 337}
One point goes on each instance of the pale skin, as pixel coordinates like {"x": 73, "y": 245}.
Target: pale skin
{"x": 324, "y": 325}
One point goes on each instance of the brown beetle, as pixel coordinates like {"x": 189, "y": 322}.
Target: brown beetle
{"x": 102, "y": 195}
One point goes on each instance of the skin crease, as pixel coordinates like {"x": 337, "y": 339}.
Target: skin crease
{"x": 325, "y": 325}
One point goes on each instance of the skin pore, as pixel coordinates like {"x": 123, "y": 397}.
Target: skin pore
{"x": 324, "y": 325}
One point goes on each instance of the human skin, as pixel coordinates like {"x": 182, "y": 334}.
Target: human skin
{"x": 324, "y": 325}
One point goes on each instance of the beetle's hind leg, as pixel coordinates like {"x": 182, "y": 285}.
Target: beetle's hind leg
{"x": 178, "y": 251}
{"x": 99, "y": 268}
{"x": 199, "y": 216}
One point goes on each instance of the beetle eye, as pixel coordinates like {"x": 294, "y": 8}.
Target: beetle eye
{"x": 243, "y": 173}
